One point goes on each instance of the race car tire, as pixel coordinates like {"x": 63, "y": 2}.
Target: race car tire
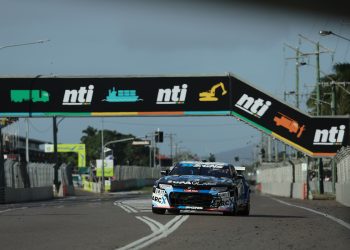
{"x": 158, "y": 210}
{"x": 246, "y": 211}
{"x": 174, "y": 211}
{"x": 231, "y": 213}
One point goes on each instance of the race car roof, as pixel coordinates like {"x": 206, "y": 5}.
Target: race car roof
{"x": 204, "y": 163}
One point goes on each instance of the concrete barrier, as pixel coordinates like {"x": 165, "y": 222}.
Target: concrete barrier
{"x": 130, "y": 184}
{"x": 299, "y": 190}
{"x": 342, "y": 193}
{"x": 13, "y": 195}
{"x": 343, "y": 176}
{"x": 282, "y": 189}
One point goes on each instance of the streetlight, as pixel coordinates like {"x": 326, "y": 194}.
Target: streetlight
{"x": 328, "y": 32}
{"x": 103, "y": 158}
{"x": 2, "y": 170}
{"x": 23, "y": 44}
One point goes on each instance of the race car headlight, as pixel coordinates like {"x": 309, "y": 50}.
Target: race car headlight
{"x": 219, "y": 189}
{"x": 165, "y": 186}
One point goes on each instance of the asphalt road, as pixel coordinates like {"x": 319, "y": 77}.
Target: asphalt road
{"x": 125, "y": 221}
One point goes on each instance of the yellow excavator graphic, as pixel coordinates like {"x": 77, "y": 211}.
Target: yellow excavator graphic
{"x": 210, "y": 95}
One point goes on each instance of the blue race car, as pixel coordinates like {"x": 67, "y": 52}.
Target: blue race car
{"x": 201, "y": 186}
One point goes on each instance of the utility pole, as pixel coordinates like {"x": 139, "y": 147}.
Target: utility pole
{"x": 2, "y": 167}
{"x": 54, "y": 123}
{"x": 27, "y": 140}
{"x": 318, "y": 68}
{"x": 102, "y": 155}
{"x": 318, "y": 77}
{"x": 299, "y": 55}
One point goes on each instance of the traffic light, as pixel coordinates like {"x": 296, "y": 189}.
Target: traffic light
{"x": 159, "y": 136}
{"x": 236, "y": 158}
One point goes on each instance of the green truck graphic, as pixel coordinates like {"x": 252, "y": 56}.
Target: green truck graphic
{"x": 23, "y": 95}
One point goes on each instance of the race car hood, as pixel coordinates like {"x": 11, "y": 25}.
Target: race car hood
{"x": 195, "y": 180}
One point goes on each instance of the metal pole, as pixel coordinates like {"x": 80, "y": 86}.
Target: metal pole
{"x": 318, "y": 112}
{"x": 27, "y": 141}
{"x": 276, "y": 151}
{"x": 171, "y": 148}
{"x": 154, "y": 153}
{"x": 318, "y": 77}
{"x": 297, "y": 78}
{"x": 334, "y": 112}
{"x": 269, "y": 148}
{"x": 2, "y": 167}
{"x": 150, "y": 155}
{"x": 102, "y": 158}
{"x": 54, "y": 120}
{"x": 285, "y": 145}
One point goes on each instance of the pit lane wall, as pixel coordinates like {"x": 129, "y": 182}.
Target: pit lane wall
{"x": 343, "y": 174}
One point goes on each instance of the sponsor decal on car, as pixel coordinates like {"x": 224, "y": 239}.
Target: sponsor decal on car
{"x": 159, "y": 191}
{"x": 332, "y": 136}
{"x": 191, "y": 207}
{"x": 159, "y": 199}
{"x": 254, "y": 107}
{"x": 191, "y": 191}
{"x": 224, "y": 195}
{"x": 223, "y": 202}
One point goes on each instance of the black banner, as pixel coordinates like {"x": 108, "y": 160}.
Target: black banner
{"x": 169, "y": 96}
{"x": 44, "y": 96}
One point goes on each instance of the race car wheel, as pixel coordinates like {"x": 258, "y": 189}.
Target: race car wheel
{"x": 158, "y": 210}
{"x": 231, "y": 213}
{"x": 246, "y": 210}
{"x": 174, "y": 211}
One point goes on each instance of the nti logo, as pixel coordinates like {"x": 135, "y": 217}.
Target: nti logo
{"x": 176, "y": 95}
{"x": 254, "y": 107}
{"x": 333, "y": 136}
{"x": 82, "y": 96}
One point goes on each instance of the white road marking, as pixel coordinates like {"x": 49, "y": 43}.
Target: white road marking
{"x": 7, "y": 210}
{"x": 158, "y": 224}
{"x": 12, "y": 209}
{"x": 150, "y": 224}
{"x": 135, "y": 206}
{"x": 124, "y": 208}
{"x": 339, "y": 221}
{"x": 159, "y": 231}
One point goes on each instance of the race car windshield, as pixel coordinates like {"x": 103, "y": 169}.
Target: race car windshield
{"x": 201, "y": 170}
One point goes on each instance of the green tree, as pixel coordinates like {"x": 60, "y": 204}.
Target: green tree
{"x": 124, "y": 152}
{"x": 341, "y": 74}
{"x": 211, "y": 157}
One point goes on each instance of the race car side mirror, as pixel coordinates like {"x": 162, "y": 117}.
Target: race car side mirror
{"x": 164, "y": 172}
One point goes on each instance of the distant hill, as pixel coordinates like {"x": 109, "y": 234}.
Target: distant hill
{"x": 245, "y": 155}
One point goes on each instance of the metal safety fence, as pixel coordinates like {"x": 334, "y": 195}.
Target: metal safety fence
{"x": 22, "y": 175}
{"x": 343, "y": 165}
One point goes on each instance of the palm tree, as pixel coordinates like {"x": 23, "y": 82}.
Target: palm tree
{"x": 342, "y": 93}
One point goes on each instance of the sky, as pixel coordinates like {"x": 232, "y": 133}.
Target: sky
{"x": 105, "y": 37}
